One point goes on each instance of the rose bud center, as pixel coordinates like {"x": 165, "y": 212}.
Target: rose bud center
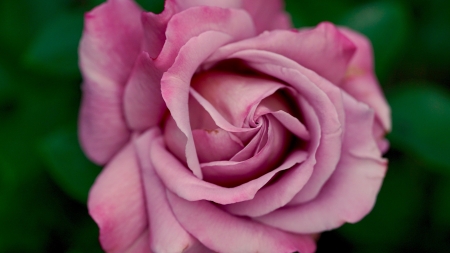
{"x": 235, "y": 134}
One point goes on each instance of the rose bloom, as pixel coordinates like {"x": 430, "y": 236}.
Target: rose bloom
{"x": 223, "y": 129}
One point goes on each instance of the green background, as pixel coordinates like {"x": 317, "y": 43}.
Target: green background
{"x": 44, "y": 176}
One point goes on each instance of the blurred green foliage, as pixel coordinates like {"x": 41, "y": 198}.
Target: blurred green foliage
{"x": 45, "y": 178}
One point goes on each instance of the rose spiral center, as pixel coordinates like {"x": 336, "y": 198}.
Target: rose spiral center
{"x": 236, "y": 135}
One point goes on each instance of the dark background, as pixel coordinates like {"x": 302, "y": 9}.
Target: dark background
{"x": 44, "y": 177}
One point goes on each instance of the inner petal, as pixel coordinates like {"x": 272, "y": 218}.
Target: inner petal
{"x": 232, "y": 95}
{"x": 215, "y": 145}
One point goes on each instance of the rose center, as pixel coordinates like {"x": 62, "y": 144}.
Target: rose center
{"x": 236, "y": 134}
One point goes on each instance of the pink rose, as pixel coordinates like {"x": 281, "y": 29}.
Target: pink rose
{"x": 223, "y": 129}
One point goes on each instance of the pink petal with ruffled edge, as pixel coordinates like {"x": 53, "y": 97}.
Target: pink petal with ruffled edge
{"x": 351, "y": 191}
{"x": 182, "y": 182}
{"x": 266, "y": 14}
{"x": 186, "y": 4}
{"x": 143, "y": 103}
{"x": 223, "y": 232}
{"x": 360, "y": 81}
{"x": 191, "y": 23}
{"x": 110, "y": 44}
{"x": 323, "y": 49}
{"x": 166, "y": 234}
{"x": 154, "y": 27}
{"x": 116, "y": 202}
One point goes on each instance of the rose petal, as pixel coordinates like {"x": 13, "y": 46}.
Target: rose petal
{"x": 182, "y": 182}
{"x": 154, "y": 27}
{"x": 186, "y": 4}
{"x": 224, "y": 91}
{"x": 109, "y": 46}
{"x": 267, "y": 14}
{"x": 322, "y": 49}
{"x": 215, "y": 145}
{"x": 252, "y": 147}
{"x": 292, "y": 124}
{"x": 360, "y": 81}
{"x": 143, "y": 103}
{"x": 222, "y": 232}
{"x": 167, "y": 235}
{"x": 379, "y": 133}
{"x": 175, "y": 140}
{"x": 273, "y": 103}
{"x": 141, "y": 245}
{"x": 116, "y": 202}
{"x": 199, "y": 117}
{"x": 281, "y": 21}
{"x": 217, "y": 117}
{"x": 195, "y": 21}
{"x": 351, "y": 191}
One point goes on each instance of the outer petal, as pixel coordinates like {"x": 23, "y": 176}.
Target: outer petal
{"x": 322, "y": 49}
{"x": 223, "y": 232}
{"x": 109, "y": 46}
{"x": 195, "y": 21}
{"x": 116, "y": 202}
{"x": 266, "y": 14}
{"x": 351, "y": 191}
{"x": 141, "y": 245}
{"x": 186, "y": 4}
{"x": 154, "y": 27}
{"x": 360, "y": 80}
{"x": 166, "y": 233}
{"x": 143, "y": 103}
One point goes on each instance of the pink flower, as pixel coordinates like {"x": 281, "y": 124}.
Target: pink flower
{"x": 223, "y": 129}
